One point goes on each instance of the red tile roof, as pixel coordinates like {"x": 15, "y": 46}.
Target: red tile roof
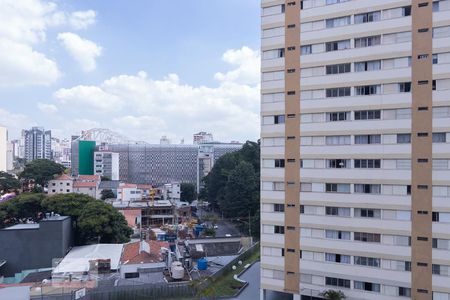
{"x": 144, "y": 186}
{"x": 131, "y": 255}
{"x": 128, "y": 185}
{"x": 63, "y": 177}
{"x": 88, "y": 177}
{"x": 81, "y": 184}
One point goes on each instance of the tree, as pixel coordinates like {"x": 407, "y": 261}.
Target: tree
{"x": 41, "y": 171}
{"x": 105, "y": 178}
{"x": 23, "y": 207}
{"x": 8, "y": 182}
{"x": 240, "y": 198}
{"x": 333, "y": 295}
{"x": 100, "y": 222}
{"x": 188, "y": 192}
{"x": 67, "y": 204}
{"x": 107, "y": 194}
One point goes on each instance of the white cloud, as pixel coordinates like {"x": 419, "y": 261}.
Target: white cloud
{"x": 89, "y": 97}
{"x": 248, "y": 62}
{"x": 84, "y": 51}
{"x": 82, "y": 19}
{"x": 47, "y": 108}
{"x": 145, "y": 108}
{"x": 23, "y": 27}
{"x": 21, "y": 65}
{"x": 14, "y": 123}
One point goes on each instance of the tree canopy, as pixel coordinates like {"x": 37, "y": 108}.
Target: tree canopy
{"x": 188, "y": 192}
{"x": 41, "y": 171}
{"x": 232, "y": 186}
{"x": 93, "y": 219}
{"x": 8, "y": 182}
{"x": 107, "y": 194}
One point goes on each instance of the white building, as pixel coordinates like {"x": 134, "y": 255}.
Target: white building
{"x": 203, "y": 137}
{"x": 128, "y": 193}
{"x": 38, "y": 143}
{"x": 9, "y": 156}
{"x": 62, "y": 184}
{"x": 88, "y": 185}
{"x": 171, "y": 191}
{"x": 3, "y": 149}
{"x": 106, "y": 164}
{"x": 355, "y": 148}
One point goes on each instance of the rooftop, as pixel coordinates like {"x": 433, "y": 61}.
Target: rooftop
{"x": 131, "y": 253}
{"x": 88, "y": 178}
{"x": 22, "y": 226}
{"x": 81, "y": 184}
{"x": 63, "y": 177}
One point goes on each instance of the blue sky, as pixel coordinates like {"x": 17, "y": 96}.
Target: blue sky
{"x": 144, "y": 68}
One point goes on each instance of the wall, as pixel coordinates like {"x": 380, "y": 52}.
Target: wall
{"x": 34, "y": 248}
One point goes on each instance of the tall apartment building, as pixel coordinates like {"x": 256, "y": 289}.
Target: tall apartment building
{"x": 355, "y": 149}
{"x": 38, "y": 143}
{"x": 3, "y": 149}
{"x": 106, "y": 164}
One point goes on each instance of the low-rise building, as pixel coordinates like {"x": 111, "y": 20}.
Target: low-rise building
{"x": 33, "y": 246}
{"x": 158, "y": 213}
{"x": 171, "y": 191}
{"x": 141, "y": 258}
{"x": 62, "y": 184}
{"x": 129, "y": 193}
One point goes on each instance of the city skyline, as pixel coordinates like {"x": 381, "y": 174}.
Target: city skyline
{"x": 76, "y": 68}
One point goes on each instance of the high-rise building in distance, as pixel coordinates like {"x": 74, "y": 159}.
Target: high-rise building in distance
{"x": 37, "y": 143}
{"x": 3, "y": 149}
{"x": 203, "y": 137}
{"x": 355, "y": 135}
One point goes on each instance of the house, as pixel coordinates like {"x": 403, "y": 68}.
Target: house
{"x": 88, "y": 185}
{"x": 143, "y": 257}
{"x": 62, "y": 184}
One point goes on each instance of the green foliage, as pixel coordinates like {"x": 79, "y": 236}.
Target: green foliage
{"x": 8, "y": 182}
{"x": 232, "y": 186}
{"x": 41, "y": 171}
{"x": 102, "y": 222}
{"x": 91, "y": 218}
{"x": 188, "y": 192}
{"x": 105, "y": 178}
{"x": 333, "y": 295}
{"x": 107, "y": 194}
{"x": 209, "y": 232}
{"x": 24, "y": 206}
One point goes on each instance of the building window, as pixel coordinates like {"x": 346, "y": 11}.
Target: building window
{"x": 337, "y": 188}
{"x": 337, "y": 45}
{"x": 337, "y": 211}
{"x": 338, "y": 140}
{"x": 278, "y": 207}
{"x": 338, "y": 22}
{"x": 338, "y": 163}
{"x": 338, "y": 69}
{"x": 368, "y": 188}
{"x": 367, "y": 261}
{"x": 280, "y": 119}
{"x": 132, "y": 275}
{"x": 404, "y": 87}
{"x": 367, "y": 163}
{"x": 368, "y": 139}
{"x": 279, "y": 163}
{"x": 305, "y": 50}
{"x": 439, "y": 137}
{"x": 338, "y": 92}
{"x": 404, "y": 292}
{"x": 279, "y": 229}
{"x": 404, "y": 138}
{"x": 368, "y": 41}
{"x": 337, "y": 258}
{"x": 368, "y": 90}
{"x": 367, "y": 286}
{"x": 368, "y": 17}
{"x": 338, "y": 116}
{"x": 367, "y": 213}
{"x": 367, "y": 237}
{"x": 368, "y": 115}
{"x": 364, "y": 66}
{"x": 337, "y": 235}
{"x": 345, "y": 283}
{"x": 406, "y": 11}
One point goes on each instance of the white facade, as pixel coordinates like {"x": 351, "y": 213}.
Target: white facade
{"x": 106, "y": 164}
{"x": 171, "y": 191}
{"x": 61, "y": 185}
{"x": 9, "y": 156}
{"x": 355, "y": 214}
{"x": 129, "y": 193}
{"x": 3, "y": 149}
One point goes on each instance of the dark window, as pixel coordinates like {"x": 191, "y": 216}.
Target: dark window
{"x": 132, "y": 275}
{"x": 278, "y": 207}
{"x": 367, "y": 237}
{"x": 337, "y": 282}
{"x": 338, "y": 69}
{"x": 279, "y": 229}
{"x": 368, "y": 115}
{"x": 279, "y": 119}
{"x": 405, "y": 87}
{"x": 279, "y": 163}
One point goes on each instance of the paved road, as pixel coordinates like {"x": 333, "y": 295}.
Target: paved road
{"x": 252, "y": 276}
{"x": 226, "y": 228}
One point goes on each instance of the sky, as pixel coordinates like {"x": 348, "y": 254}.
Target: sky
{"x": 142, "y": 68}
